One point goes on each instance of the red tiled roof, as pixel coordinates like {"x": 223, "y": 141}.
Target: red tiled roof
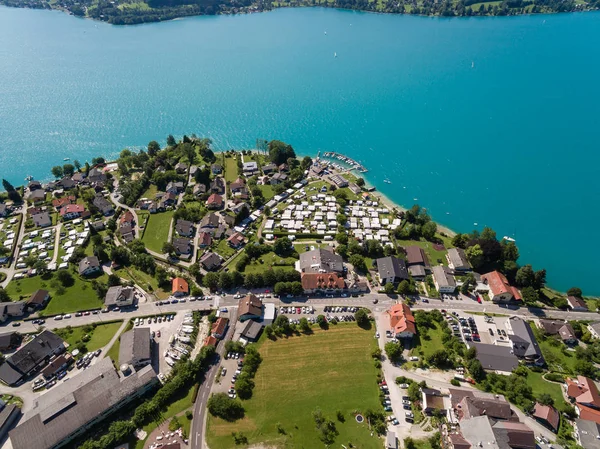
{"x": 236, "y": 239}
{"x": 402, "y": 319}
{"x": 214, "y": 199}
{"x": 210, "y": 341}
{"x": 499, "y": 284}
{"x": 205, "y": 239}
{"x": 180, "y": 285}
{"x": 127, "y": 217}
{"x": 311, "y": 281}
{"x": 60, "y": 202}
{"x": 584, "y": 391}
{"x": 574, "y": 301}
{"x": 71, "y": 209}
{"x": 219, "y": 326}
{"x": 589, "y": 414}
{"x": 548, "y": 414}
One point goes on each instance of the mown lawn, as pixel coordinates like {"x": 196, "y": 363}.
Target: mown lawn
{"x": 540, "y": 386}
{"x": 157, "y": 231}
{"x": 224, "y": 250}
{"x": 100, "y": 335}
{"x": 429, "y": 342}
{"x": 270, "y": 260}
{"x": 79, "y": 296}
{"x": 267, "y": 191}
{"x": 144, "y": 280}
{"x": 231, "y": 169}
{"x": 331, "y": 370}
{"x": 151, "y": 192}
{"x": 557, "y": 360}
{"x": 432, "y": 254}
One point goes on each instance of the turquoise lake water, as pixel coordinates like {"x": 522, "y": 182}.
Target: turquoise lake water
{"x": 491, "y": 120}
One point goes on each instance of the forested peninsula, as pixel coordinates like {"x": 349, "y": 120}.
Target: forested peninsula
{"x": 120, "y": 12}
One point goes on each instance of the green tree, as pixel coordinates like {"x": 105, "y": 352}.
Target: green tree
{"x": 280, "y": 152}
{"x": 269, "y": 331}
{"x": 57, "y": 171}
{"x": 539, "y": 279}
{"x": 476, "y": 370}
{"x": 341, "y": 238}
{"x": 394, "y": 351}
{"x": 428, "y": 230}
{"x": 460, "y": 240}
{"x": 321, "y": 320}
{"x": 575, "y": 291}
{"x": 221, "y": 406}
{"x": 168, "y": 248}
{"x": 530, "y": 295}
{"x": 525, "y": 276}
{"x": 545, "y": 399}
{"x": 510, "y": 251}
{"x": 389, "y": 288}
{"x": 361, "y": 317}
{"x": 13, "y": 195}
{"x": 171, "y": 141}
{"x": 475, "y": 255}
{"x": 65, "y": 278}
{"x": 211, "y": 281}
{"x": 358, "y": 262}
{"x": 113, "y": 280}
{"x": 360, "y": 182}
{"x": 404, "y": 288}
{"x": 4, "y": 296}
{"x": 153, "y": 148}
{"x": 304, "y": 326}
{"x": 68, "y": 169}
{"x": 306, "y": 162}
{"x": 283, "y": 246}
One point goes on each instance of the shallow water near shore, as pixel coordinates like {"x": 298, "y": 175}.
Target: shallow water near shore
{"x": 484, "y": 120}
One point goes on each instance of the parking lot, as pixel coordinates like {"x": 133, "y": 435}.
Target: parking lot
{"x": 478, "y": 328}
{"x": 165, "y": 328}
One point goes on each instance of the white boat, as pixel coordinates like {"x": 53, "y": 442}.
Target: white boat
{"x": 28, "y": 178}
{"x": 472, "y": 64}
{"x": 508, "y": 239}
{"x": 325, "y": 32}
{"x": 67, "y": 159}
{"x": 387, "y": 181}
{"x": 335, "y": 55}
{"x": 475, "y": 224}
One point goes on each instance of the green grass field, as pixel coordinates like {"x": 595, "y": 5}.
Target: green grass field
{"x": 540, "y": 386}
{"x": 432, "y": 254}
{"x": 270, "y": 260}
{"x": 151, "y": 192}
{"x": 157, "y": 231}
{"x": 231, "y": 169}
{"x": 224, "y": 250}
{"x": 267, "y": 191}
{"x": 79, "y": 296}
{"x": 144, "y": 280}
{"x": 99, "y": 335}
{"x": 425, "y": 346}
{"x": 332, "y": 370}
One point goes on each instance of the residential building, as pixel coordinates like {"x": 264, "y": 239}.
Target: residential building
{"x": 547, "y": 416}
{"x": 210, "y": 221}
{"x": 34, "y": 185}
{"x": 215, "y": 201}
{"x": 119, "y": 296}
{"x": 72, "y": 211}
{"x": 38, "y": 299}
{"x": 66, "y": 183}
{"x": 59, "y": 203}
{"x": 322, "y": 283}
{"x": 204, "y": 239}
{"x": 576, "y": 304}
{"x": 71, "y": 408}
{"x": 587, "y": 434}
{"x": 3, "y": 210}
{"x": 524, "y": 343}
{"x": 217, "y": 185}
{"x": 269, "y": 313}
{"x": 9, "y": 340}
{"x": 42, "y": 220}
{"x": 36, "y": 196}
{"x": 249, "y": 168}
{"x": 467, "y": 404}
{"x": 402, "y": 321}
{"x": 500, "y": 290}
{"x": 96, "y": 175}
{"x": 496, "y": 358}
{"x": 103, "y": 205}
{"x": 415, "y": 255}
{"x": 210, "y": 341}
{"x": 443, "y": 280}
{"x": 89, "y": 265}
{"x": 219, "y": 328}
{"x": 183, "y": 247}
{"x": 278, "y": 178}
{"x": 199, "y": 189}
{"x": 31, "y": 357}
{"x": 126, "y": 231}
{"x": 584, "y": 392}
{"x": 432, "y": 400}
{"x": 391, "y": 270}
{"x": 594, "y": 329}
{"x": 320, "y": 260}
{"x": 559, "y": 328}
{"x": 12, "y": 309}
{"x": 236, "y": 240}
{"x": 184, "y": 228}
{"x": 250, "y": 307}
{"x": 457, "y": 260}
{"x": 181, "y": 167}
{"x": 180, "y": 287}
{"x": 211, "y": 261}
{"x": 135, "y": 347}
{"x": 57, "y": 364}
{"x": 483, "y": 431}
{"x": 216, "y": 169}
{"x": 174, "y": 187}
{"x": 9, "y": 414}
{"x": 251, "y": 331}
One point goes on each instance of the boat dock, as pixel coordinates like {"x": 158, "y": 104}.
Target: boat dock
{"x": 340, "y": 157}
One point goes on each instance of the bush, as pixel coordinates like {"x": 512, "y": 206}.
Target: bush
{"x": 220, "y": 405}
{"x": 174, "y": 424}
{"x": 189, "y": 415}
{"x": 555, "y": 377}
{"x": 455, "y": 382}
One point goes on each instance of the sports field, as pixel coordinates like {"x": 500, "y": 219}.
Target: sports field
{"x": 331, "y": 369}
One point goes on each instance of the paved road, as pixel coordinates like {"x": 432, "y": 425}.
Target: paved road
{"x": 11, "y": 270}
{"x": 198, "y": 427}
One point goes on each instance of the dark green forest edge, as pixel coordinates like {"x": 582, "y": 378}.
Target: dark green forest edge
{"x": 120, "y": 12}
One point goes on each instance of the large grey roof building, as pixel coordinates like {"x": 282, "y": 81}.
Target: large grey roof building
{"x": 321, "y": 261}
{"x": 457, "y": 259}
{"x": 135, "y": 347}
{"x": 391, "y": 269}
{"x": 525, "y": 345}
{"x": 588, "y": 433}
{"x": 496, "y": 358}
{"x": 70, "y": 408}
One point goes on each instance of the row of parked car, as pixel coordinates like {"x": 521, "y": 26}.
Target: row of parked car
{"x": 338, "y": 309}
{"x": 296, "y": 310}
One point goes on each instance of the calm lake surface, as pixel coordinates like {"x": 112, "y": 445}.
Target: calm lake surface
{"x": 491, "y": 121}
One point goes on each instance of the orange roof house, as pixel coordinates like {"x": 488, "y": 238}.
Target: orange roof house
{"x": 500, "y": 289}
{"x": 322, "y": 281}
{"x": 584, "y": 391}
{"x": 402, "y": 321}
{"x": 210, "y": 341}
{"x": 547, "y": 415}
{"x": 180, "y": 287}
